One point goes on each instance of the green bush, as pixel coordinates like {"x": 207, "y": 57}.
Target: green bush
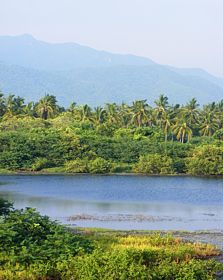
{"x": 121, "y": 168}
{"x": 41, "y": 163}
{"x": 76, "y": 166}
{"x": 5, "y": 207}
{"x": 110, "y": 265}
{"x": 138, "y": 264}
{"x": 206, "y": 160}
{"x": 154, "y": 164}
{"x": 99, "y": 165}
{"x": 26, "y": 237}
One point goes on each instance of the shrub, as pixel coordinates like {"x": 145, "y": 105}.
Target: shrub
{"x": 99, "y": 165}
{"x": 41, "y": 163}
{"x": 131, "y": 264}
{"x": 154, "y": 164}
{"x": 26, "y": 237}
{"x": 5, "y": 207}
{"x": 121, "y": 168}
{"x": 76, "y": 166}
{"x": 206, "y": 160}
{"x": 117, "y": 264}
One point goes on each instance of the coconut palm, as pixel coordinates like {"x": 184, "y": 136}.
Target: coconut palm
{"x": 2, "y": 104}
{"x": 166, "y": 124}
{"x": 160, "y": 109}
{"x": 99, "y": 115}
{"x": 182, "y": 130}
{"x": 124, "y": 114}
{"x": 191, "y": 111}
{"x": 29, "y": 109}
{"x": 139, "y": 112}
{"x": 112, "y": 112}
{"x": 13, "y": 105}
{"x": 46, "y": 107}
{"x": 208, "y": 123}
{"x": 85, "y": 112}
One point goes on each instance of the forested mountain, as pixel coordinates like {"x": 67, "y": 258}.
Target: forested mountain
{"x": 28, "y": 52}
{"x": 72, "y": 72}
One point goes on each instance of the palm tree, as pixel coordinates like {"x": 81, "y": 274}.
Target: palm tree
{"x": 191, "y": 111}
{"x": 166, "y": 124}
{"x": 112, "y": 112}
{"x": 139, "y": 112}
{"x": 124, "y": 114}
{"x": 182, "y": 130}
{"x": 208, "y": 122}
{"x": 219, "y": 114}
{"x": 85, "y": 112}
{"x": 13, "y": 105}
{"x": 160, "y": 109}
{"x": 46, "y": 107}
{"x": 28, "y": 109}
{"x": 73, "y": 107}
{"x": 2, "y": 104}
{"x": 99, "y": 115}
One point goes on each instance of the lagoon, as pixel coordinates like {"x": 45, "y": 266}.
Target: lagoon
{"x": 121, "y": 202}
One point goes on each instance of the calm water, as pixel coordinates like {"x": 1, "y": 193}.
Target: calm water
{"x": 121, "y": 202}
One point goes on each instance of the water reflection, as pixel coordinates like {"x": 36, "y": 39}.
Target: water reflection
{"x": 174, "y": 202}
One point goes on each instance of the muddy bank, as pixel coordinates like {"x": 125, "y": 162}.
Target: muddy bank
{"x": 211, "y": 237}
{"x": 135, "y": 218}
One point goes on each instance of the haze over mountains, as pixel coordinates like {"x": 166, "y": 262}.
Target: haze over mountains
{"x": 74, "y": 73}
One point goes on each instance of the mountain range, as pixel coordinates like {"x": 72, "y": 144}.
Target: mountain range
{"x": 74, "y": 73}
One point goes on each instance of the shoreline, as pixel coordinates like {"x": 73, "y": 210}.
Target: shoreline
{"x": 213, "y": 237}
{"x": 32, "y": 173}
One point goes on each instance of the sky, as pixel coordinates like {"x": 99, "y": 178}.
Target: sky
{"x": 182, "y": 33}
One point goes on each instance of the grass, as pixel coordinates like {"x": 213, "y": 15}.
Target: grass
{"x": 126, "y": 255}
{"x": 6, "y": 171}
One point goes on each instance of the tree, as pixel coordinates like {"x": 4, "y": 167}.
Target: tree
{"x": 191, "y": 111}
{"x": 99, "y": 115}
{"x": 182, "y": 130}
{"x": 112, "y": 113}
{"x": 85, "y": 112}
{"x": 208, "y": 122}
{"x": 160, "y": 109}
{"x": 2, "y": 104}
{"x": 13, "y": 106}
{"x": 139, "y": 112}
{"x": 166, "y": 124}
{"x": 46, "y": 107}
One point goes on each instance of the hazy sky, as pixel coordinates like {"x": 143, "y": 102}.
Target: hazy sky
{"x": 186, "y": 33}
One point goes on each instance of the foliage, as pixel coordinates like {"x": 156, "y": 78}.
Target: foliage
{"x": 76, "y": 166}
{"x": 5, "y": 207}
{"x": 145, "y": 257}
{"x": 206, "y": 160}
{"x": 99, "y": 165}
{"x": 154, "y": 164}
{"x": 41, "y": 163}
{"x": 26, "y": 237}
{"x": 42, "y": 135}
{"x": 33, "y": 247}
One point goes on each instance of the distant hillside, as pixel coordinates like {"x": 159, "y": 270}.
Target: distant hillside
{"x": 28, "y": 52}
{"x": 31, "y": 68}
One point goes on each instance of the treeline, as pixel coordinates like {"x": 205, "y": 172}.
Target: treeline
{"x": 159, "y": 139}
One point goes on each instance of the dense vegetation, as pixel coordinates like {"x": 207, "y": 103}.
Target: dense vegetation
{"x": 163, "y": 139}
{"x": 33, "y": 247}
